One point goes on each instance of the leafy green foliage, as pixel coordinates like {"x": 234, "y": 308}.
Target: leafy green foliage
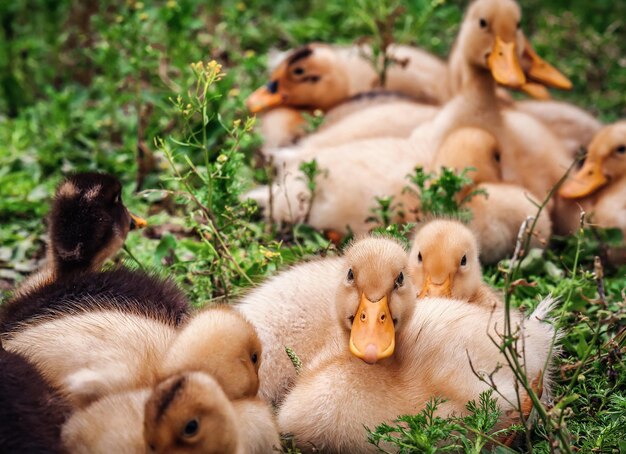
{"x": 428, "y": 433}
{"x": 439, "y": 195}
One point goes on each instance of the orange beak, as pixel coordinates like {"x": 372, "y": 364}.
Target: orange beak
{"x": 504, "y": 64}
{"x": 443, "y": 290}
{"x": 585, "y": 182}
{"x": 263, "y": 99}
{"x": 136, "y": 222}
{"x": 542, "y": 71}
{"x": 536, "y": 90}
{"x": 372, "y": 337}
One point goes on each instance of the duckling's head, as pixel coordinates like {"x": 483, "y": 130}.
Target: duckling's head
{"x": 375, "y": 296}
{"x": 221, "y": 342}
{"x": 444, "y": 262}
{"x": 88, "y": 221}
{"x": 605, "y": 161}
{"x": 190, "y": 413}
{"x": 309, "y": 78}
{"x": 471, "y": 148}
{"x": 490, "y": 38}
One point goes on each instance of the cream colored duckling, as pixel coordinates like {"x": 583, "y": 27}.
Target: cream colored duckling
{"x": 333, "y": 401}
{"x": 443, "y": 262}
{"x": 356, "y": 302}
{"x": 222, "y": 343}
{"x": 112, "y": 351}
{"x": 599, "y": 187}
{"x": 183, "y": 413}
{"x": 356, "y": 173}
{"x": 498, "y": 213}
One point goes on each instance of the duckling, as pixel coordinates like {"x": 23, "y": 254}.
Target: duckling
{"x": 184, "y": 413}
{"x": 93, "y": 353}
{"x": 31, "y": 410}
{"x": 219, "y": 341}
{"x": 599, "y": 187}
{"x": 334, "y": 400}
{"x": 133, "y": 291}
{"x": 319, "y": 76}
{"x": 88, "y": 224}
{"x": 355, "y": 173}
{"x": 356, "y": 302}
{"x": 499, "y": 209}
{"x": 114, "y": 350}
{"x": 443, "y": 262}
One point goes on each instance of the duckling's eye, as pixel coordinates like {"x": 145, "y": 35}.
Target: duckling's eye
{"x": 118, "y": 198}
{"x": 464, "y": 261}
{"x": 419, "y": 257}
{"x": 350, "y": 275}
{"x": 272, "y": 86}
{"x": 254, "y": 358}
{"x": 399, "y": 280}
{"x": 621, "y": 149}
{"x": 191, "y": 428}
{"x": 482, "y": 22}
{"x": 497, "y": 156}
{"x": 298, "y": 71}
{"x": 519, "y": 24}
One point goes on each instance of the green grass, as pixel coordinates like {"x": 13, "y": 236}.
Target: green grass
{"x": 81, "y": 83}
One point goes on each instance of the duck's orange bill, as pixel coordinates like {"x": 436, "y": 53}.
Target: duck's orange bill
{"x": 262, "y": 99}
{"x": 373, "y": 335}
{"x": 542, "y": 71}
{"x": 504, "y": 64}
{"x": 136, "y": 222}
{"x": 430, "y": 288}
{"x": 588, "y": 179}
{"x": 536, "y": 90}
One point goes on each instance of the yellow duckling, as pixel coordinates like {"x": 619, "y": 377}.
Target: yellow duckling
{"x": 443, "y": 262}
{"x": 183, "y": 413}
{"x": 498, "y": 213}
{"x": 356, "y": 302}
{"x": 334, "y": 399}
{"x": 599, "y": 187}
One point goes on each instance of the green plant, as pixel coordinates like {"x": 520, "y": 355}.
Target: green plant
{"x": 439, "y": 194}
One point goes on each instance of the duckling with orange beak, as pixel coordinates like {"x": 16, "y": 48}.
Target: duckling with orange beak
{"x": 443, "y": 262}
{"x": 356, "y": 303}
{"x": 600, "y": 185}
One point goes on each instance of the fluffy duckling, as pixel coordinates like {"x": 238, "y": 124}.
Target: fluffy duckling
{"x": 443, "y": 262}
{"x": 221, "y": 342}
{"x": 333, "y": 401}
{"x": 88, "y": 224}
{"x": 319, "y": 76}
{"x": 357, "y": 301}
{"x": 500, "y": 210}
{"x": 122, "y": 289}
{"x": 355, "y": 173}
{"x": 115, "y": 350}
{"x": 600, "y": 185}
{"x": 31, "y": 410}
{"x": 93, "y": 353}
{"x": 183, "y": 413}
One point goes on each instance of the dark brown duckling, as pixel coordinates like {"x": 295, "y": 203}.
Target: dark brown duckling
{"x": 132, "y": 291}
{"x": 88, "y": 224}
{"x": 31, "y": 410}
